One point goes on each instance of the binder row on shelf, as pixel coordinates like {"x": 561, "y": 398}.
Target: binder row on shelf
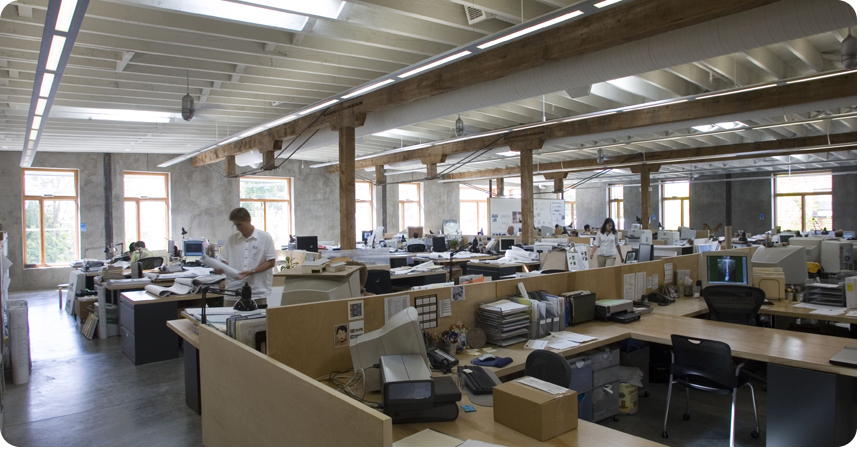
{"x": 530, "y": 315}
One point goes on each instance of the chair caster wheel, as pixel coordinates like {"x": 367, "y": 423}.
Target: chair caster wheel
{"x": 665, "y": 435}
{"x": 754, "y": 434}
{"x": 686, "y": 416}
{"x": 615, "y": 418}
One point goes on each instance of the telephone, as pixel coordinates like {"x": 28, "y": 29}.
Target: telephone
{"x": 440, "y": 360}
{"x": 660, "y": 299}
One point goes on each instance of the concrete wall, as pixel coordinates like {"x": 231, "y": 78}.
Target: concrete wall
{"x": 752, "y": 203}
{"x": 591, "y": 205}
{"x": 708, "y": 203}
{"x": 200, "y": 199}
{"x": 441, "y": 202}
{"x": 845, "y": 199}
{"x": 633, "y": 204}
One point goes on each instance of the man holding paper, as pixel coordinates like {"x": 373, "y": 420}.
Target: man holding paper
{"x": 251, "y": 252}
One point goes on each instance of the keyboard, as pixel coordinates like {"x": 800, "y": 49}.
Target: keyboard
{"x": 477, "y": 380}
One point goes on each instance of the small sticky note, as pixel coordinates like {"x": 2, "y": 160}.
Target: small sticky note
{"x": 488, "y": 350}
{"x": 469, "y": 408}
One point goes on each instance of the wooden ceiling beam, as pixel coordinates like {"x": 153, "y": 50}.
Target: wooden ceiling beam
{"x": 599, "y": 31}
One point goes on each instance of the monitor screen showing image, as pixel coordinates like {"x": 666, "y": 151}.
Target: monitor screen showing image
{"x": 192, "y": 248}
{"x": 727, "y": 269}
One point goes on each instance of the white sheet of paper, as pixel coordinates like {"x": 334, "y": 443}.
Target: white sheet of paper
{"x": 542, "y": 385}
{"x": 445, "y": 309}
{"x": 640, "y": 284}
{"x": 535, "y": 345}
{"x": 667, "y": 273}
{"x": 655, "y": 281}
{"x": 571, "y": 336}
{"x": 216, "y": 264}
{"x": 629, "y": 286}
{"x": 394, "y": 305}
{"x": 561, "y": 344}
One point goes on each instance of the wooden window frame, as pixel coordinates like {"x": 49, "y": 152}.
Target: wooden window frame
{"x": 370, "y": 202}
{"x": 40, "y": 199}
{"x": 802, "y": 196}
{"x": 572, "y": 208}
{"x": 402, "y": 204}
{"x": 663, "y": 199}
{"x": 288, "y": 201}
{"x": 477, "y": 203}
{"x": 138, "y": 200}
{"x": 616, "y": 204}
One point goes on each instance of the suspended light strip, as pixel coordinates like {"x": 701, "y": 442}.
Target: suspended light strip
{"x": 37, "y": 122}
{"x": 368, "y": 88}
{"x": 280, "y": 121}
{"x": 317, "y": 107}
{"x": 65, "y": 15}
{"x": 821, "y": 76}
{"x": 54, "y": 54}
{"x": 589, "y": 116}
{"x": 435, "y": 64}
{"x": 47, "y": 84}
{"x": 605, "y": 3}
{"x": 530, "y": 29}
{"x": 40, "y": 106}
{"x": 651, "y": 105}
{"x": 737, "y": 91}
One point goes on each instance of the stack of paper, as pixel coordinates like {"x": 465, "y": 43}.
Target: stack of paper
{"x": 182, "y": 286}
{"x": 504, "y": 322}
{"x": 111, "y": 273}
{"x": 129, "y": 283}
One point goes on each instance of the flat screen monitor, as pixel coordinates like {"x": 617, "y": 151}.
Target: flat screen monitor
{"x": 784, "y": 238}
{"x": 307, "y": 243}
{"x": 366, "y": 234}
{"x": 631, "y": 257}
{"x": 506, "y": 243}
{"x": 725, "y": 267}
{"x": 439, "y": 244}
{"x": 645, "y": 252}
{"x": 192, "y": 248}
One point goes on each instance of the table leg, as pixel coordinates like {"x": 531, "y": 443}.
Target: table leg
{"x": 192, "y": 376}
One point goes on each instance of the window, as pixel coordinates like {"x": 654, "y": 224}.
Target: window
{"x": 616, "y": 205}
{"x": 146, "y": 197}
{"x": 410, "y": 205}
{"x": 51, "y": 220}
{"x": 569, "y": 197}
{"x": 803, "y": 202}
{"x": 676, "y": 205}
{"x": 363, "y": 207}
{"x": 473, "y": 211}
{"x": 268, "y": 201}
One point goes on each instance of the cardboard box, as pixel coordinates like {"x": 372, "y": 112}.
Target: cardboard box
{"x": 771, "y": 280}
{"x": 535, "y": 412}
{"x": 82, "y": 305}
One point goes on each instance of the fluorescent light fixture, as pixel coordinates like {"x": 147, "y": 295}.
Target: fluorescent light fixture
{"x": 529, "y": 126}
{"x": 605, "y": 3}
{"x": 755, "y": 88}
{"x": 47, "y": 84}
{"x": 251, "y": 131}
{"x": 435, "y": 64}
{"x": 317, "y": 107}
{"x": 821, "y": 76}
{"x": 229, "y": 140}
{"x": 508, "y": 154}
{"x": 40, "y": 106}
{"x": 34, "y": 134}
{"x": 718, "y": 126}
{"x": 120, "y": 115}
{"x": 280, "y": 121}
{"x": 37, "y": 122}
{"x": 65, "y": 15}
{"x": 787, "y": 124}
{"x": 368, "y": 88}
{"x": 234, "y": 11}
{"x": 57, "y": 44}
{"x": 324, "y": 8}
{"x": 531, "y": 29}
{"x": 654, "y": 105}
{"x": 32, "y": 145}
{"x": 589, "y": 117}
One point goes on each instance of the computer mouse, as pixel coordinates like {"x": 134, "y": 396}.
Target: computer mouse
{"x": 486, "y": 357}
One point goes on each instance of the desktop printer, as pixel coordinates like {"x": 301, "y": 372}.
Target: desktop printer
{"x": 410, "y": 395}
{"x": 615, "y": 310}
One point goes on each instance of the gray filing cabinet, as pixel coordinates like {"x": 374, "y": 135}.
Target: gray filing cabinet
{"x": 580, "y": 381}
{"x": 605, "y": 364}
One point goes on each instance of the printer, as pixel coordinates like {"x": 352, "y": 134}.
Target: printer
{"x": 615, "y": 310}
{"x": 410, "y": 395}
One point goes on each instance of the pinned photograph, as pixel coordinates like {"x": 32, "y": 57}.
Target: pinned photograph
{"x": 356, "y": 309}
{"x": 458, "y": 293}
{"x": 341, "y": 336}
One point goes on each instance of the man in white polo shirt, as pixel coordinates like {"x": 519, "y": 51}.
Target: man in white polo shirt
{"x": 251, "y": 251}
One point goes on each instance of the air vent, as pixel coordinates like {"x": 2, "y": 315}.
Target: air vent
{"x": 475, "y": 15}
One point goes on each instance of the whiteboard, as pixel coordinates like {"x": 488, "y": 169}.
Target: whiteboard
{"x": 508, "y": 211}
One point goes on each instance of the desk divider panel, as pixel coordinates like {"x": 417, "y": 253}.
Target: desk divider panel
{"x": 251, "y": 400}
{"x": 555, "y": 284}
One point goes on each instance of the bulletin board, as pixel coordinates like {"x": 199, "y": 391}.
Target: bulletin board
{"x": 508, "y": 211}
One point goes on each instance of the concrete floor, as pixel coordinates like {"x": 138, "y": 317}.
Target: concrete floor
{"x": 88, "y": 393}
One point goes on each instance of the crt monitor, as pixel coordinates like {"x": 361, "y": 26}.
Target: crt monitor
{"x": 506, "y": 243}
{"x": 812, "y": 245}
{"x": 645, "y": 252}
{"x": 725, "y": 267}
{"x": 192, "y": 248}
{"x": 365, "y": 235}
{"x": 791, "y": 258}
{"x": 439, "y": 244}
{"x": 307, "y": 243}
{"x": 400, "y": 335}
{"x": 547, "y": 231}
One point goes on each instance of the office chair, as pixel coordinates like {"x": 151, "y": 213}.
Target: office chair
{"x": 548, "y": 366}
{"x": 151, "y": 262}
{"x": 416, "y": 248}
{"x": 707, "y": 365}
{"x": 733, "y": 304}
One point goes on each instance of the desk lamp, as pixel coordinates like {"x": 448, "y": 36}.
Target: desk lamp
{"x": 245, "y": 303}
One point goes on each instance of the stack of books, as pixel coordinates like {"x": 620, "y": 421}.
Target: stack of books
{"x": 504, "y": 322}
{"x": 111, "y": 273}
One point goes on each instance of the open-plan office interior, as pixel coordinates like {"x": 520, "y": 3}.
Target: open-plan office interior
{"x": 376, "y": 125}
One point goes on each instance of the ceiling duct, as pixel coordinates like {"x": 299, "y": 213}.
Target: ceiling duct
{"x": 778, "y": 22}
{"x": 475, "y": 15}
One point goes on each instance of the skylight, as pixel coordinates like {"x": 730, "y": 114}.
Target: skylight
{"x": 720, "y": 126}
{"x": 323, "y": 8}
{"x": 246, "y": 11}
{"x": 120, "y": 115}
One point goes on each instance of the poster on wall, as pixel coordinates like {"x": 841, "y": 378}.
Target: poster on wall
{"x": 508, "y": 211}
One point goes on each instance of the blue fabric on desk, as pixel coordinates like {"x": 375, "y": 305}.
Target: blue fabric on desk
{"x": 498, "y": 362}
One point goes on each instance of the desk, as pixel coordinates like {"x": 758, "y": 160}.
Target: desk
{"x": 691, "y": 307}
{"x": 497, "y": 271}
{"x": 186, "y": 329}
{"x": 144, "y": 336}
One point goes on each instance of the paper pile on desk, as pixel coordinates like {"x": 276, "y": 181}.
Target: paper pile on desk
{"x": 182, "y": 286}
{"x": 128, "y": 283}
{"x": 504, "y": 322}
{"x": 190, "y": 272}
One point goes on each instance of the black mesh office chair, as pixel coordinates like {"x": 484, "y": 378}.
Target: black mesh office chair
{"x": 151, "y": 262}
{"x": 733, "y": 304}
{"x": 416, "y": 248}
{"x": 707, "y": 366}
{"x": 548, "y": 366}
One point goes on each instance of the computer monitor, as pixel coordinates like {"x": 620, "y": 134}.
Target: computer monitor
{"x": 669, "y": 236}
{"x": 792, "y": 260}
{"x": 365, "y": 235}
{"x": 410, "y": 232}
{"x": 547, "y": 231}
{"x": 400, "y": 335}
{"x": 314, "y": 288}
{"x": 506, "y": 243}
{"x": 812, "y": 245}
{"x": 645, "y": 252}
{"x": 307, "y": 243}
{"x": 724, "y": 267}
{"x": 785, "y": 237}
{"x": 686, "y": 233}
{"x": 630, "y": 257}
{"x": 439, "y": 244}
{"x": 192, "y": 248}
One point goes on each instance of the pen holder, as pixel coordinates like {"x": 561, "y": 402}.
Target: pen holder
{"x": 447, "y": 347}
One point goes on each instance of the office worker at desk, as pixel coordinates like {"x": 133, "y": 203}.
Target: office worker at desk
{"x": 251, "y": 251}
{"x": 139, "y": 251}
{"x": 606, "y": 244}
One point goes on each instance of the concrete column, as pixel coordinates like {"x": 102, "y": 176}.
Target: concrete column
{"x": 527, "y": 196}
{"x": 230, "y": 166}
{"x": 645, "y": 187}
{"x": 500, "y": 187}
{"x": 383, "y": 201}
{"x": 346, "y": 166}
{"x": 431, "y": 170}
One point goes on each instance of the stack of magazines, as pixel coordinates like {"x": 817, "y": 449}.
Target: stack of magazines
{"x": 504, "y": 322}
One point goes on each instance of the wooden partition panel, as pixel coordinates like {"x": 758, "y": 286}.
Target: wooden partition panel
{"x": 554, "y": 284}
{"x": 302, "y": 336}
{"x": 251, "y": 400}
{"x": 605, "y": 282}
